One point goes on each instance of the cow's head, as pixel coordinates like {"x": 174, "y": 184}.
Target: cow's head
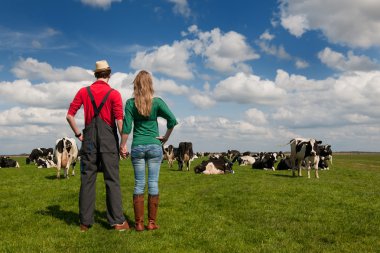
{"x": 313, "y": 147}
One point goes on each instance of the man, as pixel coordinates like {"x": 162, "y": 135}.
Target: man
{"x": 100, "y": 147}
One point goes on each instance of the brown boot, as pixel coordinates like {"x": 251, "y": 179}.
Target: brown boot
{"x": 138, "y": 206}
{"x": 152, "y": 212}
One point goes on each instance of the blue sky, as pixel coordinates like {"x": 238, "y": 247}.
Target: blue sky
{"x": 246, "y": 75}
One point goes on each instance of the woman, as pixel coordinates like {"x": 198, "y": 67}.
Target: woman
{"x": 142, "y": 111}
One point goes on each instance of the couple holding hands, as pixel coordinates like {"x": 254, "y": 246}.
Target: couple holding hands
{"x": 101, "y": 151}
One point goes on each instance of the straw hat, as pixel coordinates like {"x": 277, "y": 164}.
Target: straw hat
{"x": 101, "y": 66}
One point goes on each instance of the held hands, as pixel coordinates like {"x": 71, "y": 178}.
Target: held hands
{"x": 124, "y": 151}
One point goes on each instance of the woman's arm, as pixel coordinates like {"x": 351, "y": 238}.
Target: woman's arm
{"x": 165, "y": 138}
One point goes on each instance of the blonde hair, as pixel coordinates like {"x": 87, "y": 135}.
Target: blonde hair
{"x": 143, "y": 92}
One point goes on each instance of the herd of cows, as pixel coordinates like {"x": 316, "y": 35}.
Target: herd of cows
{"x": 63, "y": 156}
{"x": 307, "y": 153}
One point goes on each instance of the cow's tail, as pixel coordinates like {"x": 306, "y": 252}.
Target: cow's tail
{"x": 283, "y": 145}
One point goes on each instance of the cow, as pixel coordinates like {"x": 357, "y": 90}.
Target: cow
{"x": 244, "y": 160}
{"x": 37, "y": 153}
{"x": 265, "y": 162}
{"x": 219, "y": 165}
{"x": 7, "y": 162}
{"x": 304, "y": 150}
{"x": 66, "y": 155}
{"x": 285, "y": 164}
{"x": 232, "y": 154}
{"x": 170, "y": 154}
{"x": 46, "y": 162}
{"x": 185, "y": 153}
{"x": 325, "y": 154}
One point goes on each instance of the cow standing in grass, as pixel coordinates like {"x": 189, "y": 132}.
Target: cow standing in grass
{"x": 304, "y": 150}
{"x": 66, "y": 154}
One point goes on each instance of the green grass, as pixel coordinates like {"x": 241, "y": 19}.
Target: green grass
{"x": 249, "y": 211}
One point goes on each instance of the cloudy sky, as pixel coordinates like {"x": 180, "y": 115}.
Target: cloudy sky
{"x": 246, "y": 75}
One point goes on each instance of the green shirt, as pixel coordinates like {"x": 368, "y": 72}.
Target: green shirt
{"x": 145, "y": 129}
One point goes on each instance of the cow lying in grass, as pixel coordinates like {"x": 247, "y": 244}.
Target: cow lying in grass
{"x": 7, "y": 162}
{"x": 219, "y": 165}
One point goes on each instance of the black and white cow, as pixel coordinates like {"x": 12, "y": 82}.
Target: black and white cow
{"x": 66, "y": 155}
{"x": 47, "y": 162}
{"x": 219, "y": 165}
{"x": 185, "y": 153}
{"x": 285, "y": 164}
{"x": 37, "y": 153}
{"x": 265, "y": 162}
{"x": 170, "y": 154}
{"x": 7, "y": 162}
{"x": 244, "y": 160}
{"x": 325, "y": 155}
{"x": 304, "y": 150}
{"x": 231, "y": 154}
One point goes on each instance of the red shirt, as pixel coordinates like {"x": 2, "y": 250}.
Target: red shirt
{"x": 112, "y": 109}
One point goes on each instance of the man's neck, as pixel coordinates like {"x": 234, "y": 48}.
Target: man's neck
{"x": 103, "y": 79}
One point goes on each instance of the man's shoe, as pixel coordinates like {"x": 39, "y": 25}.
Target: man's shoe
{"x": 83, "y": 228}
{"x": 121, "y": 227}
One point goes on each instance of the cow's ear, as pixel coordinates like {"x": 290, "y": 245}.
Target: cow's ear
{"x": 319, "y": 142}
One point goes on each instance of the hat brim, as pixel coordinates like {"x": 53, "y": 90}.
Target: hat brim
{"x": 101, "y": 70}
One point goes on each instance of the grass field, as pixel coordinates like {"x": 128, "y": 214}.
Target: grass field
{"x": 249, "y": 211}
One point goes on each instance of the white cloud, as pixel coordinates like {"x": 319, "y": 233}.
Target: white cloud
{"x": 301, "y": 64}
{"x": 357, "y": 118}
{"x": 18, "y": 116}
{"x": 296, "y": 24}
{"x": 274, "y": 50}
{"x": 104, "y": 4}
{"x": 256, "y": 116}
{"x": 169, "y": 60}
{"x": 169, "y": 86}
{"x": 250, "y": 89}
{"x": 40, "y": 39}
{"x": 181, "y": 7}
{"x": 202, "y": 101}
{"x": 330, "y": 102}
{"x": 350, "y": 62}
{"x": 267, "y": 36}
{"x": 32, "y": 69}
{"x": 224, "y": 52}
{"x": 56, "y": 95}
{"x": 47, "y": 95}
{"x": 348, "y": 22}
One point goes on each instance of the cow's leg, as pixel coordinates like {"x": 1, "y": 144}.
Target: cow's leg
{"x": 308, "y": 170}
{"x": 66, "y": 172}
{"x": 299, "y": 168}
{"x": 293, "y": 165}
{"x": 316, "y": 170}
{"x": 59, "y": 168}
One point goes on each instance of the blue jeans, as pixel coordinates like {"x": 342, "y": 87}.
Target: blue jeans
{"x": 141, "y": 156}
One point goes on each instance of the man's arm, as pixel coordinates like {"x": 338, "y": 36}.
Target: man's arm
{"x": 74, "y": 127}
